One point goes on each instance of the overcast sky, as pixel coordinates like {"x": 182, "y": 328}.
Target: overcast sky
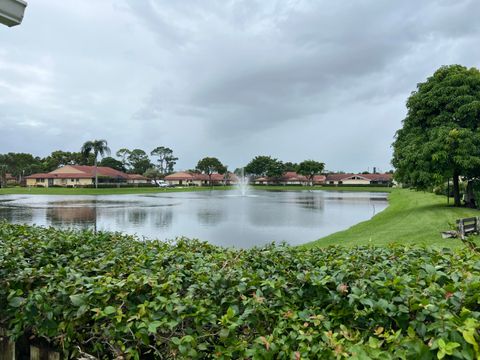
{"x": 323, "y": 80}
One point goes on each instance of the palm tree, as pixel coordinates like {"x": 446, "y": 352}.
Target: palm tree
{"x": 96, "y": 147}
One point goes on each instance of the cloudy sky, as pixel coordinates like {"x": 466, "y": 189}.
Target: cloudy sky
{"x": 294, "y": 79}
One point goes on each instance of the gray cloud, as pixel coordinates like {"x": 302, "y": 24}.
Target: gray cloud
{"x": 234, "y": 79}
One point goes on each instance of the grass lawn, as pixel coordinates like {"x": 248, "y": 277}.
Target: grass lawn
{"x": 110, "y": 191}
{"x": 411, "y": 218}
{"x": 148, "y": 190}
{"x": 325, "y": 188}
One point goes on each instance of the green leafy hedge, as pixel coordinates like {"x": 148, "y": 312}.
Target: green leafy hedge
{"x": 111, "y": 295}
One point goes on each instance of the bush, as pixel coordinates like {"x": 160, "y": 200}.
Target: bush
{"x": 112, "y": 295}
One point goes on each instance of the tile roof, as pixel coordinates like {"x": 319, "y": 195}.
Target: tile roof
{"x": 371, "y": 177}
{"x": 86, "y": 172}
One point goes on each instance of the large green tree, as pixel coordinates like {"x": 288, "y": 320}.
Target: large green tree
{"x": 310, "y": 168}
{"x": 112, "y": 163}
{"x": 139, "y": 161}
{"x": 440, "y": 137}
{"x": 61, "y": 158}
{"x": 95, "y": 147}
{"x": 211, "y": 165}
{"x": 265, "y": 166}
{"x": 20, "y": 164}
{"x": 124, "y": 153}
{"x": 166, "y": 160}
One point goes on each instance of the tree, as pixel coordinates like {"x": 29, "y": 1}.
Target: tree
{"x": 97, "y": 147}
{"x": 265, "y": 166}
{"x": 210, "y": 165}
{"x": 20, "y": 164}
{"x": 310, "y": 168}
{"x": 61, "y": 158}
{"x": 153, "y": 174}
{"x": 289, "y": 166}
{"x": 139, "y": 161}
{"x": 124, "y": 153}
{"x": 3, "y": 176}
{"x": 166, "y": 160}
{"x": 112, "y": 163}
{"x": 440, "y": 137}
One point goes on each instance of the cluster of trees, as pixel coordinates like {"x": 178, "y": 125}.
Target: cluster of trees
{"x": 93, "y": 153}
{"x": 97, "y": 153}
{"x": 274, "y": 168}
{"x": 440, "y": 137}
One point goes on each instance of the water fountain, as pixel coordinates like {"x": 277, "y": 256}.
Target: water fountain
{"x": 243, "y": 183}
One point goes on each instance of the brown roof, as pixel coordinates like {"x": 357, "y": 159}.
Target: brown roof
{"x": 187, "y": 176}
{"x": 136, "y": 177}
{"x": 292, "y": 176}
{"x": 101, "y": 171}
{"x": 85, "y": 172}
{"x": 319, "y": 178}
{"x": 378, "y": 177}
{"x": 371, "y": 177}
{"x": 179, "y": 176}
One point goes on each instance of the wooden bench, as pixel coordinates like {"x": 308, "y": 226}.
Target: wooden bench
{"x": 468, "y": 226}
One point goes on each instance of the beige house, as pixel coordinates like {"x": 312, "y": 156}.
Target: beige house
{"x": 83, "y": 175}
{"x": 184, "y": 178}
{"x": 359, "y": 179}
{"x": 290, "y": 178}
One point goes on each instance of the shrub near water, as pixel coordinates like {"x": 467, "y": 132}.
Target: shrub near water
{"x": 110, "y": 295}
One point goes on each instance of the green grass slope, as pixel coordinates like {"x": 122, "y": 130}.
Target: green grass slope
{"x": 411, "y": 218}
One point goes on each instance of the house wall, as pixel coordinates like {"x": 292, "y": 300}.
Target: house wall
{"x": 33, "y": 182}
{"x": 356, "y": 182}
{"x": 59, "y": 182}
{"x": 75, "y": 182}
{"x": 138, "y": 181}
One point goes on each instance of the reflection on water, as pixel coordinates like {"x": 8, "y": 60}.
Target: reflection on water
{"x": 222, "y": 218}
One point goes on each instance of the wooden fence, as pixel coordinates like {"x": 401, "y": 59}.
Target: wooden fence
{"x": 9, "y": 350}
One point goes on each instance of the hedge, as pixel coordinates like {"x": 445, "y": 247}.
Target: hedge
{"x": 112, "y": 295}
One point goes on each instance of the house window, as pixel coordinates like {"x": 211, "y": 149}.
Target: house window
{"x": 72, "y": 180}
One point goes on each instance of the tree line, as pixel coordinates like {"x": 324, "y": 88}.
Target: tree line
{"x": 138, "y": 161}
{"x": 135, "y": 161}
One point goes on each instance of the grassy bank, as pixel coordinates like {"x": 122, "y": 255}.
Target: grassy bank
{"x": 109, "y": 191}
{"x": 325, "y": 188}
{"x": 149, "y": 190}
{"x": 411, "y": 218}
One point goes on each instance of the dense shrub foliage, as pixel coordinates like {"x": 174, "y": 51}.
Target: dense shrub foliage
{"x": 110, "y": 295}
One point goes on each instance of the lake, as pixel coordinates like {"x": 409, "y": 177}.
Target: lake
{"x": 220, "y": 217}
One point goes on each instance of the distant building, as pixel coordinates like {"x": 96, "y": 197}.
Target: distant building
{"x": 82, "y": 175}
{"x": 289, "y": 178}
{"x": 185, "y": 178}
{"x": 359, "y": 179}
{"x": 11, "y": 180}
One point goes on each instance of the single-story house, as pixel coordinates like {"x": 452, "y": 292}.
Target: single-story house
{"x": 290, "y": 178}
{"x": 83, "y": 175}
{"x": 11, "y": 180}
{"x": 359, "y": 179}
{"x": 185, "y": 178}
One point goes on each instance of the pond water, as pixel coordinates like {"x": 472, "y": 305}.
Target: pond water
{"x": 220, "y": 217}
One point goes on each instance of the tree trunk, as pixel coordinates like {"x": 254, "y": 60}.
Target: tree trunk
{"x": 456, "y": 189}
{"x": 96, "y": 177}
{"x": 470, "y": 196}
